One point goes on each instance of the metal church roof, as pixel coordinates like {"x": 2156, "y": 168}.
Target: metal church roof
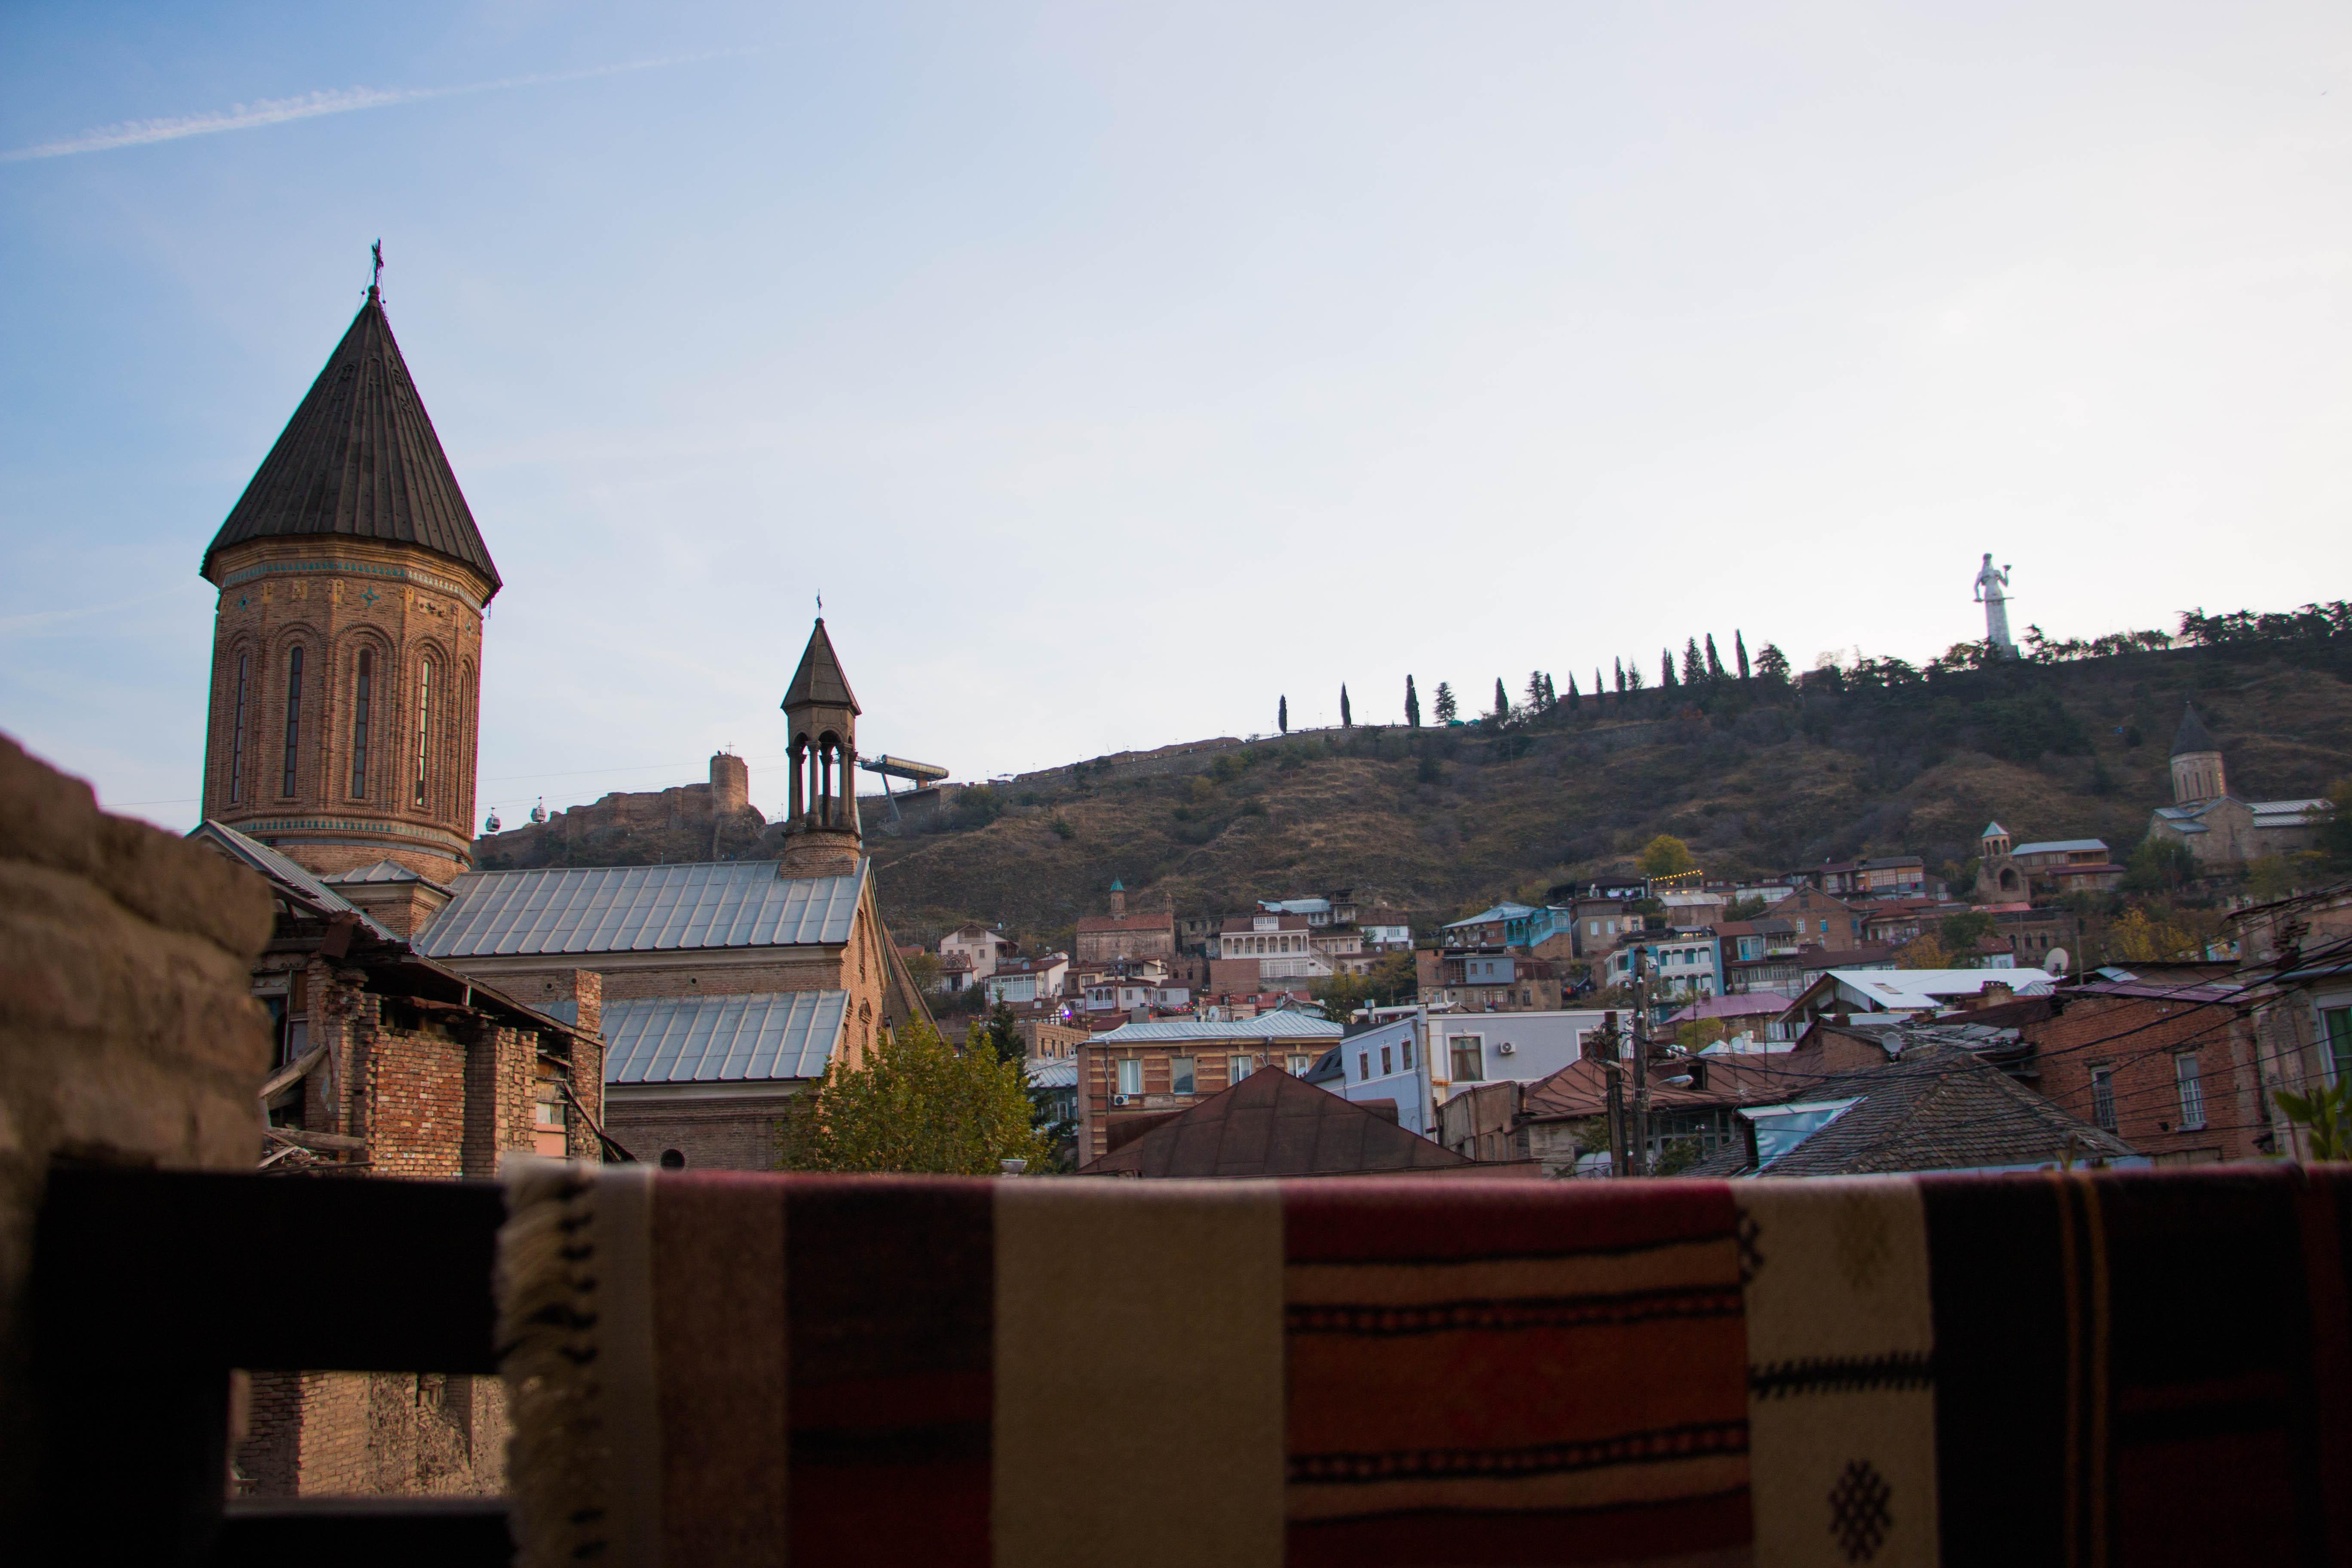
{"x": 2192, "y": 735}
{"x": 641, "y": 909}
{"x": 767, "y": 1035}
{"x": 359, "y": 459}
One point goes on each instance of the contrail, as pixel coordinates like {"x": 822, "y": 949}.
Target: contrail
{"x": 278, "y": 111}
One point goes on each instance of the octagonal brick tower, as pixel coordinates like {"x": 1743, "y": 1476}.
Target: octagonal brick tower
{"x": 347, "y": 646}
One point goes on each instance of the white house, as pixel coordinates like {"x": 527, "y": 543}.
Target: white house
{"x": 1388, "y": 1063}
{"x": 1464, "y": 1049}
{"x": 1028, "y": 979}
{"x": 970, "y": 953}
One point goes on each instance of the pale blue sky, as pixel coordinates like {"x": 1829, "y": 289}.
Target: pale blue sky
{"x": 1113, "y": 371}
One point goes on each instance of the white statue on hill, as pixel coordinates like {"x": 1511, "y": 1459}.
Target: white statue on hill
{"x": 1993, "y": 590}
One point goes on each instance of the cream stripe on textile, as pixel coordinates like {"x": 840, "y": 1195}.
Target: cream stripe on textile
{"x": 576, "y": 1319}
{"x": 1840, "y": 1392}
{"x": 1138, "y": 1403}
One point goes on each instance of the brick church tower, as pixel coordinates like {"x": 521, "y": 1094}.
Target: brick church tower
{"x": 348, "y": 645}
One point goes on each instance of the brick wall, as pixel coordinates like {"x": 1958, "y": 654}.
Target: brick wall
{"x": 2139, "y": 1040}
{"x": 725, "y": 1134}
{"x": 128, "y": 1030}
{"x": 371, "y": 1433}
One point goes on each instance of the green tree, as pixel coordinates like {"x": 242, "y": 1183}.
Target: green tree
{"x": 923, "y": 969}
{"x": 2327, "y": 1117}
{"x": 1773, "y": 666}
{"x": 1714, "y": 660}
{"x": 1923, "y": 952}
{"x": 1005, "y": 1034}
{"x": 2335, "y": 830}
{"x": 1502, "y": 699}
{"x": 1282, "y": 715}
{"x": 1667, "y": 669}
{"x": 1536, "y": 703}
{"x": 1739, "y": 647}
{"x": 1960, "y": 933}
{"x": 1347, "y": 719}
{"x": 1448, "y": 709}
{"x": 1412, "y": 704}
{"x": 1694, "y": 665}
{"x": 1634, "y": 677}
{"x": 1747, "y": 909}
{"x": 1667, "y": 855}
{"x": 918, "y": 1106}
{"x": 1574, "y": 700}
{"x": 1621, "y": 677}
{"x": 2159, "y": 865}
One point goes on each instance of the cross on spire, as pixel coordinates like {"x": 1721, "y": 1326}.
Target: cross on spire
{"x": 375, "y": 255}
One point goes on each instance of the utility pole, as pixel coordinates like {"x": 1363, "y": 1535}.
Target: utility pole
{"x": 1613, "y": 1076}
{"x": 1641, "y": 1133}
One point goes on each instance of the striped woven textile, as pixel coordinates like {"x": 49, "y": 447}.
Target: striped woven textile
{"x": 2078, "y": 1371}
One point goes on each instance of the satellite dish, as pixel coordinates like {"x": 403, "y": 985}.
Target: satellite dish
{"x": 2054, "y": 961}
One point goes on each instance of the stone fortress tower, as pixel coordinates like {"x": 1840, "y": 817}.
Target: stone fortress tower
{"x": 347, "y": 650}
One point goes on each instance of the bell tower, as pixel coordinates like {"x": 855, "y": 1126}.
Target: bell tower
{"x": 347, "y": 644}
{"x": 2197, "y": 773}
{"x": 822, "y": 835}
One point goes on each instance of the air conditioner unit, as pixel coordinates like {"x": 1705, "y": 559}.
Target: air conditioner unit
{"x": 1118, "y": 1100}
{"x": 1506, "y": 1050}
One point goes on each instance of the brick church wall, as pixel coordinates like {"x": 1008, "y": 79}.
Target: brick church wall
{"x": 719, "y": 1134}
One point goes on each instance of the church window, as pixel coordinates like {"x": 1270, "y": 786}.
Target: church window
{"x": 423, "y": 724}
{"x": 293, "y": 717}
{"x": 362, "y": 705}
{"x": 236, "y": 734}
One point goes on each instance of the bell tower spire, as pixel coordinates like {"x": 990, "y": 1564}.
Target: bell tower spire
{"x": 823, "y": 837}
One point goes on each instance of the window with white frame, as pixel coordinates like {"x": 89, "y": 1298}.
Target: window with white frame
{"x": 1469, "y": 1058}
{"x": 1299, "y": 1066}
{"x": 2193, "y": 1090}
{"x": 1363, "y": 1067}
{"x": 1180, "y": 1074}
{"x": 1407, "y": 1055}
{"x": 2102, "y": 1099}
{"x": 1130, "y": 1076}
{"x": 1237, "y": 1069}
{"x": 1388, "y": 1061}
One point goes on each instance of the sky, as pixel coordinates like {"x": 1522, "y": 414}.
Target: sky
{"x": 1116, "y": 372}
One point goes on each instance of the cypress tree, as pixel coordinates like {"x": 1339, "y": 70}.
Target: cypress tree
{"x": 1282, "y": 715}
{"x": 1739, "y": 648}
{"x": 1572, "y": 700}
{"x": 1694, "y": 668}
{"x": 1502, "y": 699}
{"x": 1412, "y": 704}
{"x": 1714, "y": 660}
{"x": 1667, "y": 669}
{"x": 1346, "y": 720}
{"x": 1621, "y": 677}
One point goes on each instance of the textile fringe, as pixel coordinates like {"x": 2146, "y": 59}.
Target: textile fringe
{"x": 559, "y": 1459}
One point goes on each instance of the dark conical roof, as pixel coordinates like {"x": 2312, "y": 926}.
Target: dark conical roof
{"x": 2192, "y": 735}
{"x": 359, "y": 459}
{"x": 819, "y": 681}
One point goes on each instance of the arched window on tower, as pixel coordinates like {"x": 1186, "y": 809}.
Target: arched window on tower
{"x": 362, "y": 709}
{"x": 236, "y": 732}
{"x": 293, "y": 717}
{"x": 423, "y": 724}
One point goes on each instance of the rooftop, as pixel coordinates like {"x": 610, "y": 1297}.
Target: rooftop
{"x": 641, "y": 909}
{"x": 360, "y": 459}
{"x": 1282, "y": 1025}
{"x": 1271, "y": 1124}
{"x": 722, "y": 1039}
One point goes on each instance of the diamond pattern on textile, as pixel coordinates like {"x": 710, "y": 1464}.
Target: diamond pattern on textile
{"x": 1751, "y": 1258}
{"x": 1859, "y": 1516}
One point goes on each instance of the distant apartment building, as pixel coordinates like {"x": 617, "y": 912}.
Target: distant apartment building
{"x": 1486, "y": 980}
{"x": 1038, "y": 979}
{"x": 1146, "y": 1072}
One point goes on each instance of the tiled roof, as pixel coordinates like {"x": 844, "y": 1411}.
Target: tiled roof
{"x": 359, "y": 459}
{"x": 1127, "y": 922}
{"x": 641, "y": 909}
{"x": 819, "y": 681}
{"x": 1276, "y": 1025}
{"x": 1271, "y": 1124}
{"x": 769, "y": 1036}
{"x": 2192, "y": 735}
{"x": 1937, "y": 1108}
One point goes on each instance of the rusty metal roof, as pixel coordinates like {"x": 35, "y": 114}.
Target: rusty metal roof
{"x": 359, "y": 459}
{"x": 1271, "y": 1124}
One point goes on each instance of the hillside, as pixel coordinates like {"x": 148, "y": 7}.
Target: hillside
{"x": 1758, "y": 777}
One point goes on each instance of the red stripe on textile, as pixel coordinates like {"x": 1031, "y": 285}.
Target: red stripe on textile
{"x": 892, "y": 1287}
{"x": 1685, "y": 1529}
{"x": 1372, "y": 1219}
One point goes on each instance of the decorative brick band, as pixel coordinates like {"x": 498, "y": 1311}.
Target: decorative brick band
{"x": 360, "y": 568}
{"x": 440, "y": 836}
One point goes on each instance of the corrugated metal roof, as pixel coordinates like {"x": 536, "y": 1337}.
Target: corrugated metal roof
{"x": 1264, "y": 1026}
{"x": 641, "y": 909}
{"x": 2055, "y": 845}
{"x": 291, "y": 877}
{"x": 776, "y": 1035}
{"x": 1053, "y": 1072}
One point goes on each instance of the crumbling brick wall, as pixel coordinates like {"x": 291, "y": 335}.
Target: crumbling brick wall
{"x": 128, "y": 1029}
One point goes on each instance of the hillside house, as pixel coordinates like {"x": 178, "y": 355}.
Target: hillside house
{"x": 1142, "y": 1069}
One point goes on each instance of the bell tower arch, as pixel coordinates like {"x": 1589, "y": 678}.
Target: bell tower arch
{"x": 823, "y": 837}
